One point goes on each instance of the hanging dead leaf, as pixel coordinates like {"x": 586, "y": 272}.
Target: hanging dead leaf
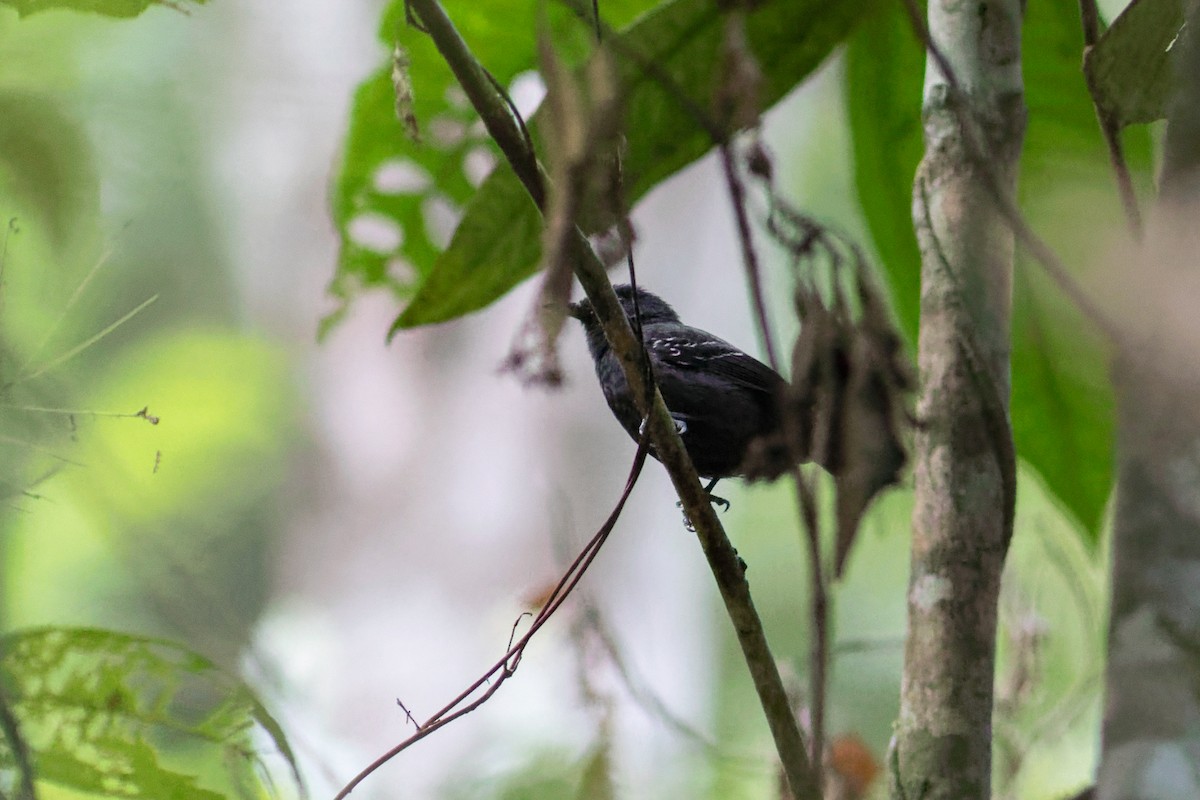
{"x": 846, "y": 406}
{"x": 872, "y": 451}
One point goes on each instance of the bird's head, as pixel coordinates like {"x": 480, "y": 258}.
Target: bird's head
{"x": 652, "y": 307}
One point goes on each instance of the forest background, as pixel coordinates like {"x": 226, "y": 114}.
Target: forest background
{"x": 347, "y": 523}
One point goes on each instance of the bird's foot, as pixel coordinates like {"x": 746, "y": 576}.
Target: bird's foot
{"x": 712, "y": 498}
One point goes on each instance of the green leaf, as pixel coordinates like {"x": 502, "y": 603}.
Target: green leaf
{"x": 109, "y": 8}
{"x": 1129, "y": 69}
{"x": 112, "y": 714}
{"x": 1062, "y": 399}
{"x": 883, "y": 103}
{"x": 790, "y": 39}
{"x": 486, "y": 257}
{"x": 501, "y": 214}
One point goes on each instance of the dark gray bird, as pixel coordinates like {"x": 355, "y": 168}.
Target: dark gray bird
{"x": 720, "y": 398}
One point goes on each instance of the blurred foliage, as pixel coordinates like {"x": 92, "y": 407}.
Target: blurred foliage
{"x": 544, "y": 775}
{"x": 46, "y": 167}
{"x": 1049, "y": 679}
{"x": 167, "y": 527}
{"x": 183, "y": 507}
{"x": 497, "y": 243}
{"x": 111, "y": 520}
{"x": 110, "y": 8}
{"x": 1049, "y": 674}
{"x": 124, "y": 716}
{"x": 866, "y": 631}
{"x": 1061, "y": 406}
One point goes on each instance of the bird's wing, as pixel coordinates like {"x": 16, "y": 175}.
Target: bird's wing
{"x": 691, "y": 349}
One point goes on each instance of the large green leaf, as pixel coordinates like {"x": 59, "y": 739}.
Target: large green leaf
{"x": 107, "y": 713}
{"x": 497, "y": 244}
{"x": 1062, "y": 400}
{"x": 883, "y": 99}
{"x": 684, "y": 39}
{"x": 109, "y": 8}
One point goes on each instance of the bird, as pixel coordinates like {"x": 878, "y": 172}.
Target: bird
{"x": 720, "y": 398}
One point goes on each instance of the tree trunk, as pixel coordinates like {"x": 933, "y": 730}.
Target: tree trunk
{"x": 1151, "y": 746}
{"x": 961, "y": 523}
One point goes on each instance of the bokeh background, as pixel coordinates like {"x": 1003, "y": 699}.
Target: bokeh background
{"x": 348, "y": 523}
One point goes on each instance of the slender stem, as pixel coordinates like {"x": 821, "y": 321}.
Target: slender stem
{"x": 737, "y": 197}
{"x": 1089, "y": 17}
{"x": 26, "y": 790}
{"x": 819, "y": 599}
{"x": 819, "y": 602}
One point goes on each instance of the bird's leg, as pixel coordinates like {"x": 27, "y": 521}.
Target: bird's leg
{"x": 681, "y": 428}
{"x": 712, "y": 498}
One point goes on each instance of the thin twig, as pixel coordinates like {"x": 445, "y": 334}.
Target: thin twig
{"x": 819, "y": 601}
{"x": 643, "y": 695}
{"x": 819, "y": 645}
{"x": 85, "y": 344}
{"x": 737, "y": 197}
{"x": 78, "y": 292}
{"x": 1089, "y": 17}
{"x": 507, "y": 665}
{"x": 82, "y": 412}
{"x": 9, "y": 230}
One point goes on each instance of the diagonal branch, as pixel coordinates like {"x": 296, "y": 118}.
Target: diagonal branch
{"x": 723, "y": 561}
